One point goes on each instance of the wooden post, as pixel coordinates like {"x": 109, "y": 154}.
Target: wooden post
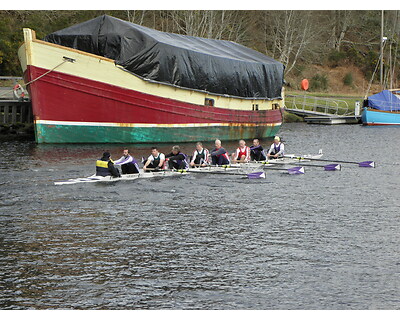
{"x": 22, "y": 117}
{"x": 5, "y": 115}
{"x": 29, "y": 116}
{"x": 14, "y": 114}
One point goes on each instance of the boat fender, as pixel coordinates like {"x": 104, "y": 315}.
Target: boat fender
{"x": 19, "y": 92}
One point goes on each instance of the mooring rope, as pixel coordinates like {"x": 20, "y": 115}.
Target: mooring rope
{"x": 41, "y": 76}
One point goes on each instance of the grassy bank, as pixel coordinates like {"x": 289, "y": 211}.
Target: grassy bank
{"x": 290, "y": 117}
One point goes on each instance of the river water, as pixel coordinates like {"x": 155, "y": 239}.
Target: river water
{"x": 322, "y": 240}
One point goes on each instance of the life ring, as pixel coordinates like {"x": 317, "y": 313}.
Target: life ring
{"x": 19, "y": 92}
{"x": 304, "y": 84}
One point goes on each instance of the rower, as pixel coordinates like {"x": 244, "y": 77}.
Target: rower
{"x": 242, "y": 153}
{"x": 277, "y": 149}
{"x": 105, "y": 166}
{"x": 155, "y": 161}
{"x": 128, "y": 163}
{"x": 219, "y": 156}
{"x": 257, "y": 152}
{"x": 200, "y": 156}
{"x": 176, "y": 159}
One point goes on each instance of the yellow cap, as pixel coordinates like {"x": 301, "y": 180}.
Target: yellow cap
{"x": 277, "y": 138}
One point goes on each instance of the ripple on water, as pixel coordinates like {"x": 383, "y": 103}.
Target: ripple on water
{"x": 323, "y": 240}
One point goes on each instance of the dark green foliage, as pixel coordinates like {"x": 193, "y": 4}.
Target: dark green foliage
{"x": 348, "y": 79}
{"x": 319, "y": 83}
{"x": 335, "y": 57}
{"x": 359, "y": 46}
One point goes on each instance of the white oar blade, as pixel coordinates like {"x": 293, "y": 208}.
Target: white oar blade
{"x": 296, "y": 170}
{"x": 256, "y": 175}
{"x": 333, "y": 167}
{"x": 367, "y": 164}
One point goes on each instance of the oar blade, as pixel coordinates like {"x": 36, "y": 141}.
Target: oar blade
{"x": 333, "y": 167}
{"x": 296, "y": 170}
{"x": 256, "y": 175}
{"x": 367, "y": 164}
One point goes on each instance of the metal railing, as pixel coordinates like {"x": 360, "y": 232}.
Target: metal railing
{"x": 317, "y": 104}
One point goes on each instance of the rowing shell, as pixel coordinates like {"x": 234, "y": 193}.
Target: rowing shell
{"x": 228, "y": 169}
{"x": 210, "y": 169}
{"x": 124, "y": 177}
{"x": 247, "y": 169}
{"x": 291, "y": 158}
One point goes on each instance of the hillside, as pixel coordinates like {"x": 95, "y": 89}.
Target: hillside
{"x": 337, "y": 50}
{"x": 346, "y": 80}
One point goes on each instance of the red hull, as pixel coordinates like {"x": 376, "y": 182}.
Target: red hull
{"x": 62, "y": 97}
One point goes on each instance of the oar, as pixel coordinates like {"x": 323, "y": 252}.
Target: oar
{"x": 253, "y": 175}
{"x": 294, "y": 170}
{"x": 222, "y": 166}
{"x": 153, "y": 170}
{"x": 328, "y": 167}
{"x": 366, "y": 164}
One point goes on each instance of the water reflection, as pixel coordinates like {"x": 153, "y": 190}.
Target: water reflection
{"x": 323, "y": 240}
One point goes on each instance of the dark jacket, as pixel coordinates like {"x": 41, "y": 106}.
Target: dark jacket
{"x": 105, "y": 167}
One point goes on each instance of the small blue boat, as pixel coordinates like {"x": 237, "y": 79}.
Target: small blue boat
{"x": 382, "y": 108}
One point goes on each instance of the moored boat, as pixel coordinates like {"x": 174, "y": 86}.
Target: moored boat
{"x": 167, "y": 88}
{"x": 382, "y": 108}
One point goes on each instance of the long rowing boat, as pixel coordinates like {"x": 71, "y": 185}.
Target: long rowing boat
{"x": 243, "y": 169}
{"x": 248, "y": 169}
{"x": 123, "y": 177}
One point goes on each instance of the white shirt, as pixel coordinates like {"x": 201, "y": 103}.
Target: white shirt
{"x": 206, "y": 155}
{"x": 281, "y": 150}
{"x": 161, "y": 155}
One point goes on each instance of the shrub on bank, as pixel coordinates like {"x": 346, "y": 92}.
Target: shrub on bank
{"x": 348, "y": 79}
{"x": 319, "y": 83}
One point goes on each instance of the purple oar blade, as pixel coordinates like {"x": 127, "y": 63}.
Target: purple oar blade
{"x": 256, "y": 175}
{"x": 333, "y": 167}
{"x": 296, "y": 170}
{"x": 367, "y": 164}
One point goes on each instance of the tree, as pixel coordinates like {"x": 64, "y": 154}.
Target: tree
{"x": 288, "y": 35}
{"x": 341, "y": 22}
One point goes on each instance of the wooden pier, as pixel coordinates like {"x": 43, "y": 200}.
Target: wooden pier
{"x": 14, "y": 111}
{"x": 352, "y": 119}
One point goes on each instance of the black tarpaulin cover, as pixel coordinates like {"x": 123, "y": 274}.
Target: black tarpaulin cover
{"x": 217, "y": 66}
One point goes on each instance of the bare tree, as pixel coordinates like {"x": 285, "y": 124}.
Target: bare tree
{"x": 341, "y": 22}
{"x": 288, "y": 34}
{"x": 228, "y": 25}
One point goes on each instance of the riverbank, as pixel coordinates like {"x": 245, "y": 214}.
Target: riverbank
{"x": 290, "y": 118}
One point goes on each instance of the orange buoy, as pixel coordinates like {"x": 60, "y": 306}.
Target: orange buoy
{"x": 304, "y": 84}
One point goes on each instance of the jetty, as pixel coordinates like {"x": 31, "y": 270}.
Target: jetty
{"x": 15, "y": 111}
{"x": 317, "y": 110}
